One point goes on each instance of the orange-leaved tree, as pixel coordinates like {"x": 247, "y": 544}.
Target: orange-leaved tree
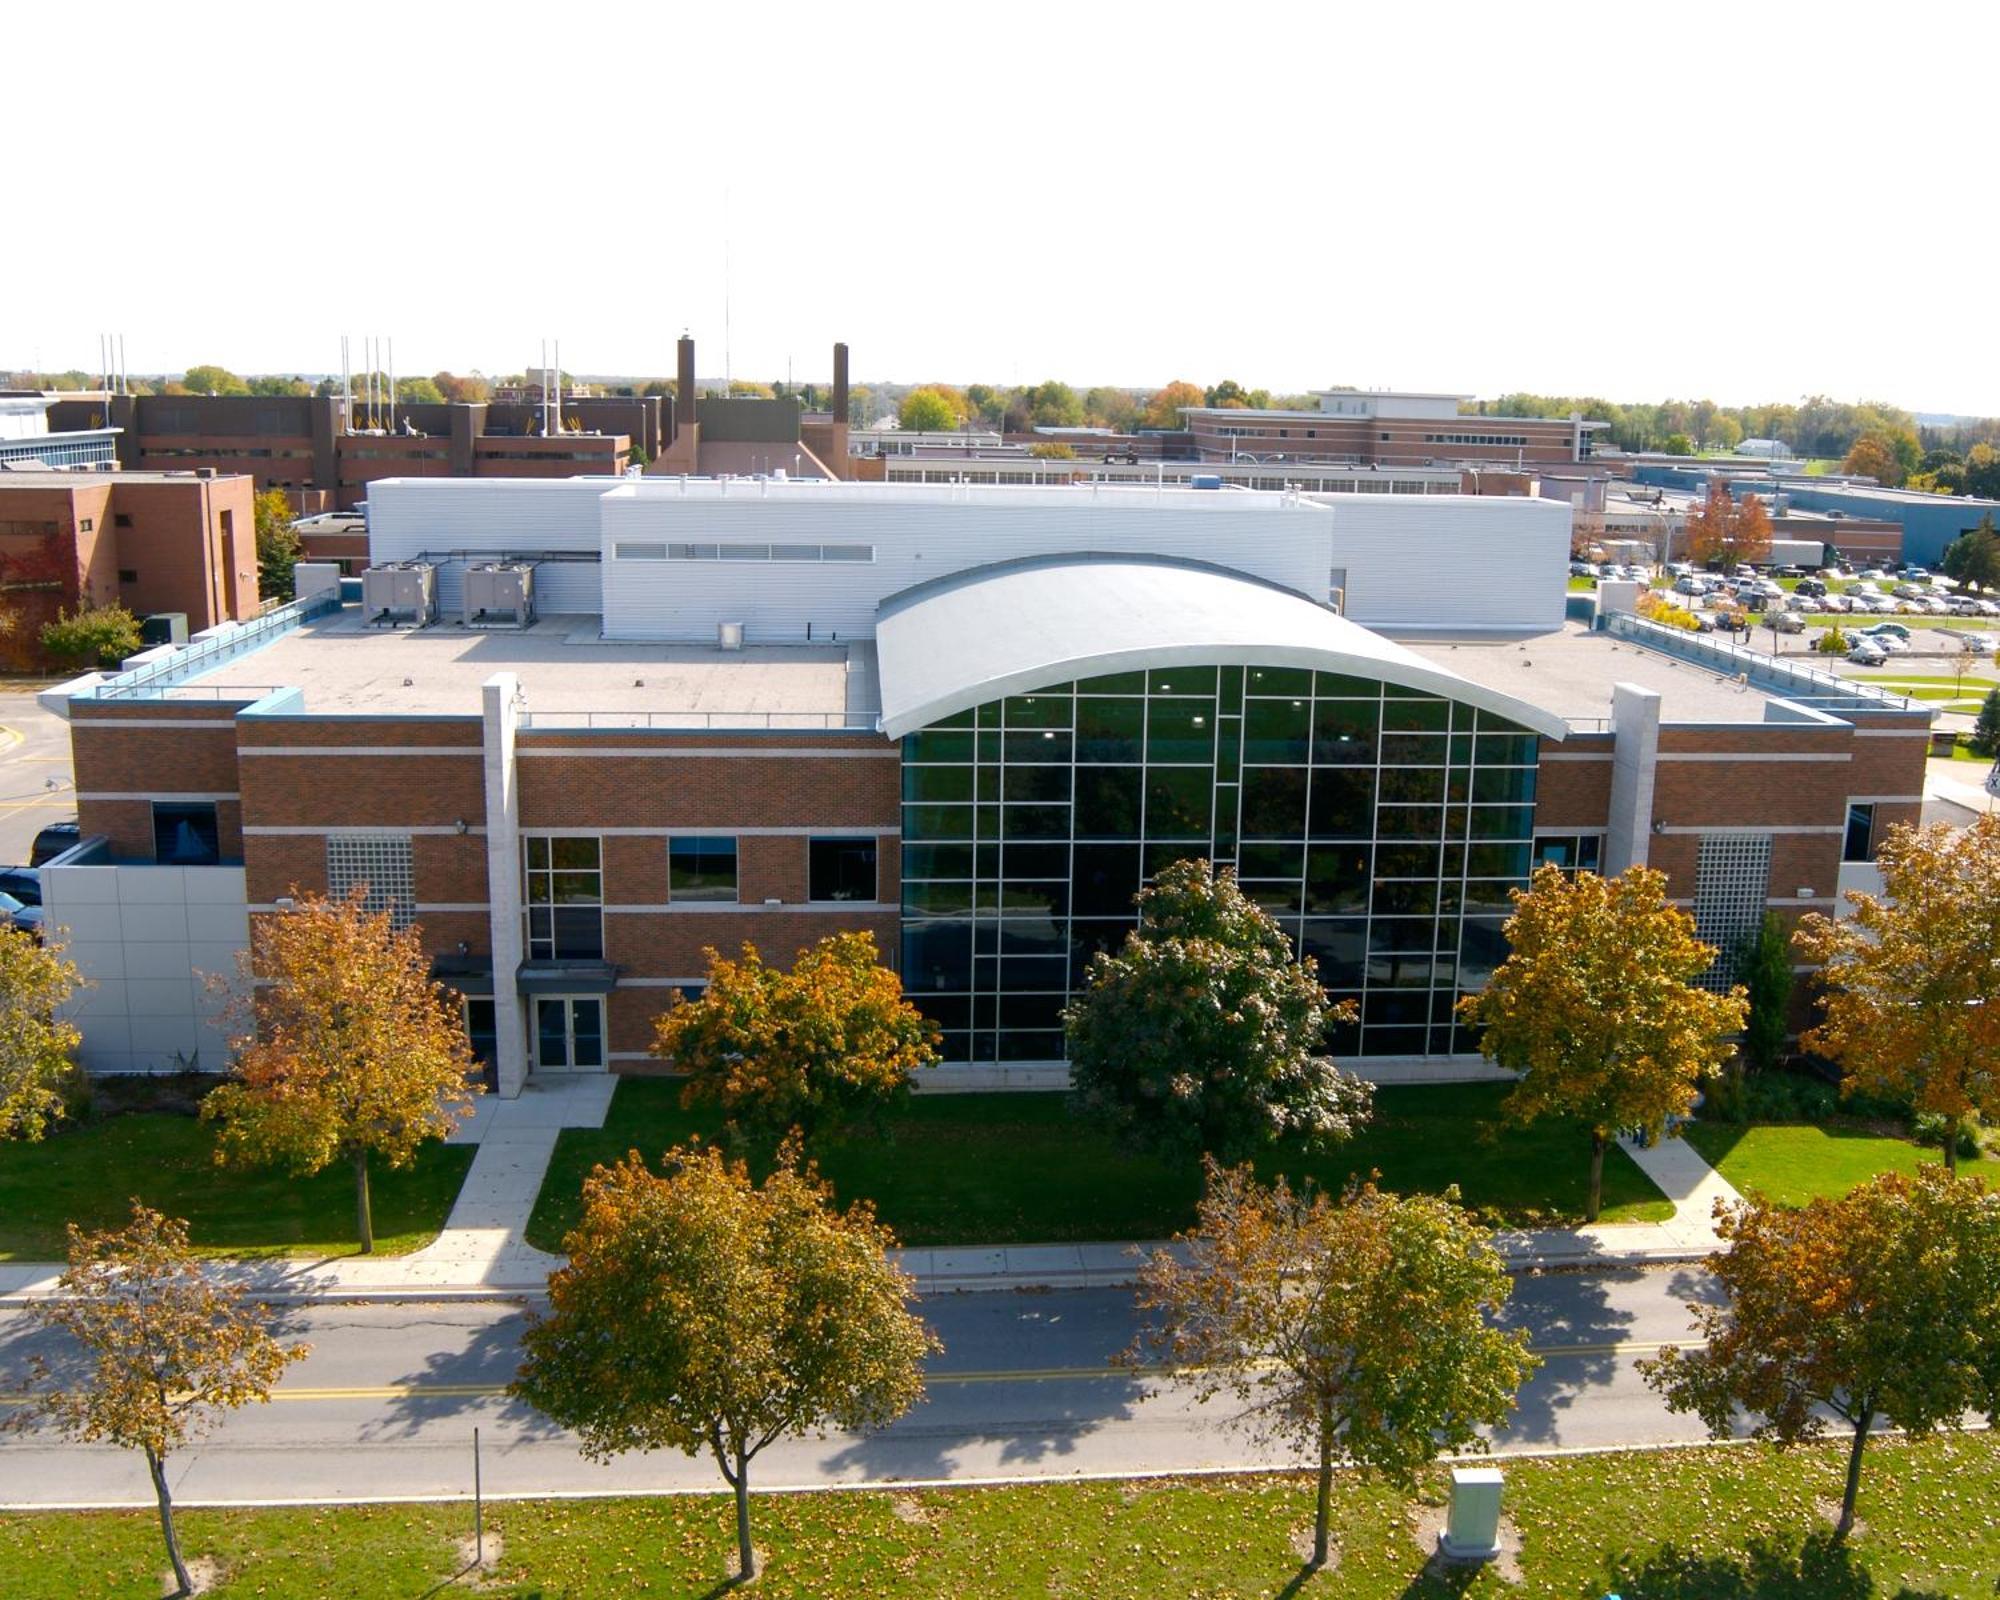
{"x": 1597, "y": 1007}
{"x": 1910, "y": 979}
{"x": 164, "y": 1348}
{"x": 1708, "y": 528}
{"x": 830, "y": 1042}
{"x": 1882, "y": 1304}
{"x": 1750, "y": 532}
{"x": 349, "y": 1049}
{"x": 700, "y": 1311}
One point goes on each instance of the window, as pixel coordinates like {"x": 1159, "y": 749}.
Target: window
{"x": 701, "y": 868}
{"x": 128, "y": 575}
{"x": 840, "y": 869}
{"x": 565, "y": 899}
{"x": 481, "y": 1031}
{"x": 86, "y": 524}
{"x": 1860, "y": 841}
{"x": 185, "y": 835}
{"x": 569, "y": 1033}
{"x": 379, "y": 864}
{"x": 121, "y": 519}
{"x": 1573, "y": 852}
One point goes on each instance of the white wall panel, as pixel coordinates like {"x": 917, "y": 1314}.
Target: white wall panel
{"x": 408, "y": 517}
{"x": 1453, "y": 563}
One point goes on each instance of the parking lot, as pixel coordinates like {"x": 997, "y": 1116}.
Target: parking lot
{"x": 35, "y": 782}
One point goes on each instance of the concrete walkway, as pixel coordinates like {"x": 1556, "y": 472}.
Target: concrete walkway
{"x": 483, "y": 1254}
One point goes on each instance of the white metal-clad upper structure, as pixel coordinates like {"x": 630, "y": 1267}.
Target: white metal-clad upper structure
{"x": 1009, "y": 628}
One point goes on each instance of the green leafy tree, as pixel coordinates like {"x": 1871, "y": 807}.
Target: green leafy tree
{"x": 37, "y": 1052}
{"x": 213, "y": 380}
{"x": 1052, "y": 450}
{"x": 827, "y": 1044}
{"x": 1974, "y": 557}
{"x": 349, "y": 1049}
{"x": 1766, "y": 968}
{"x": 418, "y": 391}
{"x": 1355, "y": 1328}
{"x": 1910, "y": 979}
{"x": 702, "y": 1312}
{"x": 279, "y": 549}
{"x": 1205, "y": 1033}
{"x": 96, "y": 635}
{"x": 165, "y": 1350}
{"x": 1228, "y": 395}
{"x": 276, "y": 384}
{"x": 1879, "y": 1305}
{"x": 1052, "y": 404}
{"x": 929, "y": 410}
{"x": 1597, "y": 1008}
{"x": 1678, "y": 444}
{"x": 1985, "y": 739}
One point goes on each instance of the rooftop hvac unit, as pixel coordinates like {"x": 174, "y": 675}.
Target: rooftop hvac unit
{"x": 499, "y": 594}
{"x": 403, "y": 591}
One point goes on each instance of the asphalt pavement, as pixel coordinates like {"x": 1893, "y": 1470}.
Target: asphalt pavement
{"x": 35, "y": 782}
{"x": 385, "y": 1406}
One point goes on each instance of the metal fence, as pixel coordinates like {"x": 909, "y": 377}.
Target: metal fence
{"x": 155, "y": 677}
{"x": 698, "y": 721}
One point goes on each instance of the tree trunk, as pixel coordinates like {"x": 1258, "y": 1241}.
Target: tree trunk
{"x": 1951, "y": 1149}
{"x": 1843, "y": 1527}
{"x": 1596, "y": 1203}
{"x": 364, "y": 1217}
{"x": 157, "y": 1466}
{"x": 746, "y": 1558}
{"x": 1321, "y": 1515}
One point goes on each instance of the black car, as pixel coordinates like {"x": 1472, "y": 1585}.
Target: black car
{"x": 53, "y": 840}
{"x": 23, "y": 883}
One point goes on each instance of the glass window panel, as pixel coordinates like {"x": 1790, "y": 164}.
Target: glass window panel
{"x": 1272, "y": 860}
{"x": 937, "y": 860}
{"x": 1339, "y": 686}
{"x": 1277, "y": 732}
{"x": 1281, "y": 899}
{"x": 1482, "y": 946}
{"x": 574, "y": 854}
{"x": 1178, "y": 804}
{"x": 1497, "y": 860}
{"x": 1344, "y": 1038}
{"x": 1413, "y": 749}
{"x": 1345, "y": 732}
{"x": 989, "y": 782}
{"x": 1502, "y": 822}
{"x": 937, "y": 783}
{"x": 1159, "y": 857}
{"x": 1036, "y": 860}
{"x": 1340, "y": 946}
{"x": 1405, "y": 897}
{"x": 1229, "y": 749}
{"x": 1451, "y": 897}
{"x": 1110, "y": 730}
{"x": 1105, "y": 879}
{"x": 1041, "y": 710}
{"x": 1404, "y": 860}
{"x": 840, "y": 869}
{"x": 1278, "y": 680}
{"x": 579, "y": 933}
{"x": 1410, "y": 822}
{"x": 1020, "y": 1044}
{"x": 1021, "y": 1007}
{"x": 1589, "y": 850}
{"x": 1050, "y": 746}
{"x": 1087, "y": 938}
{"x": 1034, "y": 822}
{"x": 701, "y": 868}
{"x": 551, "y": 1034}
{"x": 1508, "y": 750}
{"x": 937, "y": 899}
{"x": 1230, "y": 686}
{"x": 989, "y": 745}
{"x": 988, "y": 858}
{"x": 538, "y": 853}
{"x": 986, "y": 821}
{"x": 937, "y": 822}
{"x": 947, "y": 1010}
{"x": 1274, "y": 802}
{"x": 1493, "y": 722}
{"x": 932, "y": 745}
{"x": 958, "y": 719}
{"x": 1404, "y": 969}
{"x": 1402, "y": 933}
{"x": 1458, "y": 788}
{"x": 586, "y": 1022}
{"x": 1036, "y": 783}
{"x": 1033, "y": 936}
{"x": 1343, "y": 803}
{"x": 1107, "y": 802}
{"x": 1113, "y": 683}
{"x": 1394, "y": 1009}
{"x": 1503, "y": 785}
{"x": 1392, "y": 1041}
{"x": 1401, "y": 715}
{"x": 1487, "y": 897}
{"x": 1180, "y": 730}
{"x": 985, "y": 937}
{"x": 1022, "y": 898}
{"x": 1412, "y": 785}
{"x": 1181, "y": 680}
{"x": 1454, "y": 862}
{"x": 1337, "y": 879}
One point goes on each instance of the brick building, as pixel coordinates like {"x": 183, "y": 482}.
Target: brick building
{"x": 1381, "y": 428}
{"x": 971, "y": 722}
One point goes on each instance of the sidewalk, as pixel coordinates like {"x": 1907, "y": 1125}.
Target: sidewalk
{"x": 482, "y": 1254}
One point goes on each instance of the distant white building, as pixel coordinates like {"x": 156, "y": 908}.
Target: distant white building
{"x": 1767, "y": 449}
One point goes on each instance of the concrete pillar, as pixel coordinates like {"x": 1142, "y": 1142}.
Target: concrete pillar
{"x": 1635, "y": 728}
{"x": 468, "y": 422}
{"x": 501, "y": 702}
{"x": 684, "y": 395}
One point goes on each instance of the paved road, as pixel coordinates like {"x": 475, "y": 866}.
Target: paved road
{"x": 386, "y": 1404}
{"x": 35, "y": 787}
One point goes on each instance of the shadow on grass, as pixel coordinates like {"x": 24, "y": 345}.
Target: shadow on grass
{"x": 1818, "y": 1569}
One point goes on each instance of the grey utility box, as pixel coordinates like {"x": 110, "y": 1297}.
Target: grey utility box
{"x": 164, "y": 627}
{"x": 1472, "y": 1532}
{"x": 499, "y": 593}
{"x": 404, "y": 591}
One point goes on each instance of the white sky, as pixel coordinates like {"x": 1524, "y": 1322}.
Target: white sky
{"x": 1748, "y": 201}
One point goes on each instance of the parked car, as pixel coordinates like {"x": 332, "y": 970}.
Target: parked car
{"x": 14, "y": 914}
{"x": 1973, "y": 644}
{"x": 1785, "y": 622}
{"x": 1692, "y": 583}
{"x": 1893, "y": 629}
{"x": 23, "y": 883}
{"x": 1582, "y": 569}
{"x": 1812, "y": 588}
{"x": 1678, "y": 569}
{"x": 1867, "y": 654}
{"x": 53, "y": 840}
{"x": 1917, "y": 574}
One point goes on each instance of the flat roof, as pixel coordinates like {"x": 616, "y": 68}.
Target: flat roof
{"x": 344, "y": 666}
{"x": 1570, "y": 672}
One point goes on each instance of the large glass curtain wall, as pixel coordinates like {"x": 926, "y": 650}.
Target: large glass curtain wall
{"x": 1382, "y": 828}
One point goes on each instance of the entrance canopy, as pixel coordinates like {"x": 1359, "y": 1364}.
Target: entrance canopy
{"x": 976, "y": 636}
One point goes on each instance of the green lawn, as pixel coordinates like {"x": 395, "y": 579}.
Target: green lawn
{"x": 87, "y": 1173}
{"x": 1794, "y": 1162}
{"x": 1017, "y": 1168}
{"x": 1709, "y": 1524}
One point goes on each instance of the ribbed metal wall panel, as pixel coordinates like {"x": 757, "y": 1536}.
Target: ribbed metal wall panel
{"x": 408, "y": 517}
{"x": 1442, "y": 563}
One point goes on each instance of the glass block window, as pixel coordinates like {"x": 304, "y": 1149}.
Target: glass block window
{"x": 1732, "y": 887}
{"x": 379, "y": 863}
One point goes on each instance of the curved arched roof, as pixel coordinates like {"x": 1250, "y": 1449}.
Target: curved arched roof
{"x": 975, "y": 636}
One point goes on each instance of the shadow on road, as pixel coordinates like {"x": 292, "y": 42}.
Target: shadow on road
{"x": 481, "y": 1359}
{"x": 1562, "y": 1309}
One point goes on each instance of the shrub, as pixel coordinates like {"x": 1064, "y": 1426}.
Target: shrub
{"x": 1833, "y": 642}
{"x": 1932, "y": 1128}
{"x": 101, "y": 635}
{"x": 1986, "y": 732}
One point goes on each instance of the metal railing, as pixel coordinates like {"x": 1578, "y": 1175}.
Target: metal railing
{"x": 156, "y": 676}
{"x": 1792, "y": 679}
{"x": 698, "y": 721}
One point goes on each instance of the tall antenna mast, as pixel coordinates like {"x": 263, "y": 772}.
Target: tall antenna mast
{"x": 728, "y": 367}
{"x": 392, "y": 385}
{"x": 558, "y": 378}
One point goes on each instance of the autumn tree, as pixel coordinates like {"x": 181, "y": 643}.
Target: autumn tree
{"x": 279, "y": 548}
{"x": 1205, "y": 1033}
{"x": 1874, "y": 456}
{"x": 164, "y": 1350}
{"x": 1974, "y": 557}
{"x": 1750, "y": 532}
{"x": 348, "y": 1050}
{"x": 1598, "y": 1009}
{"x": 929, "y": 410}
{"x": 1709, "y": 528}
{"x": 700, "y": 1311}
{"x": 1879, "y": 1305}
{"x": 828, "y": 1043}
{"x": 1163, "y": 408}
{"x": 1910, "y": 979}
{"x": 1355, "y": 1328}
{"x": 37, "y": 1051}
{"x": 212, "y": 380}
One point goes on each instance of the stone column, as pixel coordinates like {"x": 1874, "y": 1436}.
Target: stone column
{"x": 1635, "y": 727}
{"x": 501, "y": 696}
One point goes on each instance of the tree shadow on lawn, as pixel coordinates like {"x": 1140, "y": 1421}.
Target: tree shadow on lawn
{"x": 1562, "y": 1309}
{"x": 490, "y": 1357}
{"x": 1817, "y": 1569}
